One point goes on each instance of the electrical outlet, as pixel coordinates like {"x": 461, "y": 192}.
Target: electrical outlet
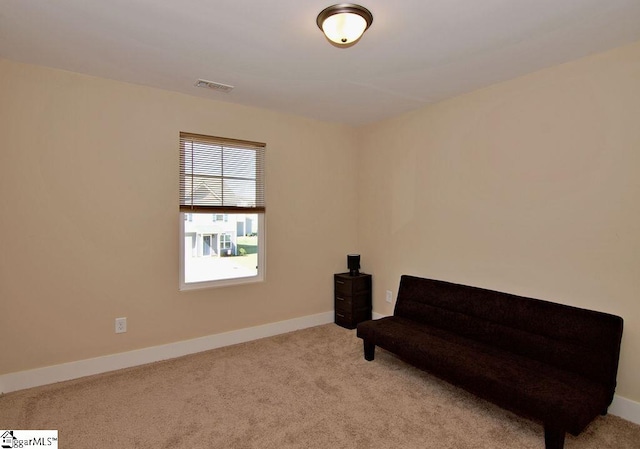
{"x": 389, "y": 297}
{"x": 121, "y": 325}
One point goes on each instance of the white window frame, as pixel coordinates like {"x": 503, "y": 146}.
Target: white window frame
{"x": 225, "y": 238}
{"x": 259, "y": 277}
{"x": 201, "y": 163}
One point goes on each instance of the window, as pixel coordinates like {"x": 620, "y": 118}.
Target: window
{"x": 222, "y": 210}
{"x": 225, "y": 243}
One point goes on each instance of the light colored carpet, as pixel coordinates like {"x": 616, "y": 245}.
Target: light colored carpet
{"x": 306, "y": 389}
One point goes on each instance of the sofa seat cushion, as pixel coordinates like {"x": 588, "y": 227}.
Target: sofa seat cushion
{"x": 517, "y": 383}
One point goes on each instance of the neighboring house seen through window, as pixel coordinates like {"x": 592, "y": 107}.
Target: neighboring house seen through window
{"x": 222, "y": 211}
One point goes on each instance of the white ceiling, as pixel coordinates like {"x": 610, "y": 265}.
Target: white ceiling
{"x": 416, "y": 52}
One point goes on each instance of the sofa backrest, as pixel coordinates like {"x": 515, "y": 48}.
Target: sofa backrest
{"x": 578, "y": 340}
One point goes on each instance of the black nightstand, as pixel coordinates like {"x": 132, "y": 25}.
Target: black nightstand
{"x": 352, "y": 299}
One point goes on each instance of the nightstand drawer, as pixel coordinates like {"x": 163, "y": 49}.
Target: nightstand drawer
{"x": 346, "y": 309}
{"x": 343, "y": 302}
{"x": 350, "y": 285}
{"x": 358, "y": 301}
{"x": 351, "y": 320}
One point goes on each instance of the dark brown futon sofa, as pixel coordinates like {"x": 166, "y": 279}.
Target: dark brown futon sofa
{"x": 550, "y": 362}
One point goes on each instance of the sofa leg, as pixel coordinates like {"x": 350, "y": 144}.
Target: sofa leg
{"x": 553, "y": 437}
{"x": 369, "y": 351}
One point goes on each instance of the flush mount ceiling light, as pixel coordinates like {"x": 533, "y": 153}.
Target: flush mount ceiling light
{"x": 344, "y": 23}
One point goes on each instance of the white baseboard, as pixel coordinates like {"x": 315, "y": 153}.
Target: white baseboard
{"x": 73, "y": 370}
{"x": 626, "y": 409}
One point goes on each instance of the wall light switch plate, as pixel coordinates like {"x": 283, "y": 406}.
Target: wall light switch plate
{"x": 389, "y": 297}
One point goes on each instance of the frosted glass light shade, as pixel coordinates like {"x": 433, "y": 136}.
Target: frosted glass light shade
{"x": 344, "y": 28}
{"x": 343, "y": 24}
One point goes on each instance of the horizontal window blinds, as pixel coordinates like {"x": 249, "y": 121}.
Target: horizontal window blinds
{"x": 221, "y": 175}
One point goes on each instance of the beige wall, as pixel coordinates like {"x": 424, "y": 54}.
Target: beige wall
{"x": 531, "y": 186}
{"x": 89, "y": 216}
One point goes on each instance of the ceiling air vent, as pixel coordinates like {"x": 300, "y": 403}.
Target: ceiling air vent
{"x": 213, "y": 85}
